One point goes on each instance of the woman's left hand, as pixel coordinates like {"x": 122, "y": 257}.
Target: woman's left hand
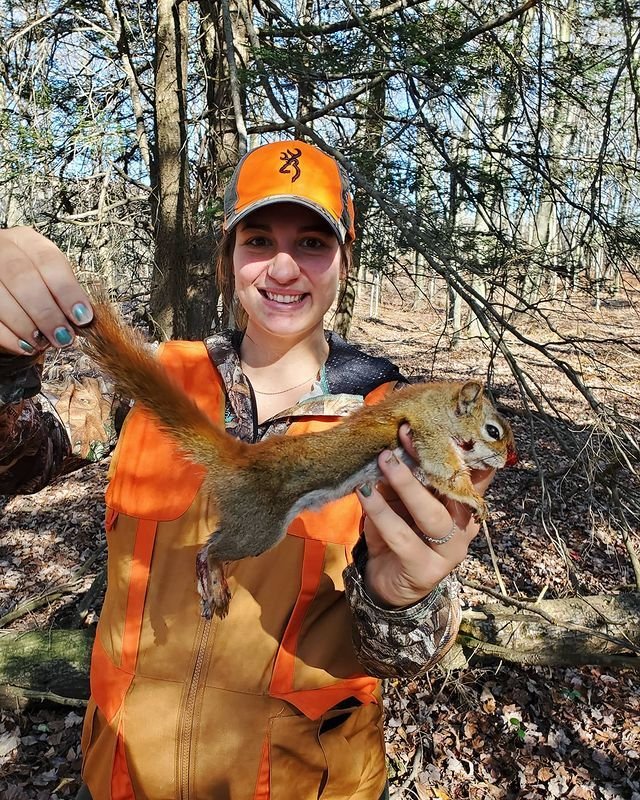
{"x": 402, "y": 568}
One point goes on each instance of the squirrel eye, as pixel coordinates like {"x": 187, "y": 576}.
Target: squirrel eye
{"x": 493, "y": 432}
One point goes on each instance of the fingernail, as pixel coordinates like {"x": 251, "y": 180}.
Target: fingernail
{"x": 62, "y": 336}
{"x": 26, "y": 346}
{"x": 392, "y": 458}
{"x": 365, "y": 490}
{"x": 81, "y": 314}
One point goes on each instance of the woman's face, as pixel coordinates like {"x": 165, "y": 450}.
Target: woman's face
{"x": 286, "y": 264}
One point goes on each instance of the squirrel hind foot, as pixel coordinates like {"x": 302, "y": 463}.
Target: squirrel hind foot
{"x": 213, "y": 588}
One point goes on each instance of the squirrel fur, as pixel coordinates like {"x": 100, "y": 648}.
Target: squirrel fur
{"x": 260, "y": 488}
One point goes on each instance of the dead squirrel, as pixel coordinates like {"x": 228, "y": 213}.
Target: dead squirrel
{"x": 260, "y": 488}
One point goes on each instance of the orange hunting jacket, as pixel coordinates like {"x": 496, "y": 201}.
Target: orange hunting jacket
{"x": 269, "y": 703}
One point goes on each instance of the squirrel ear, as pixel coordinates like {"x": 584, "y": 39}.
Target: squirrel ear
{"x": 470, "y": 394}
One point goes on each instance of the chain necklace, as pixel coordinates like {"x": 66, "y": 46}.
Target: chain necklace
{"x": 284, "y": 391}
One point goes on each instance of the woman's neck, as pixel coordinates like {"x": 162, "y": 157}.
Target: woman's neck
{"x": 259, "y": 352}
{"x": 281, "y": 372}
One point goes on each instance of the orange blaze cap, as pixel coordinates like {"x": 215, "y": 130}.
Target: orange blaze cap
{"x": 291, "y": 172}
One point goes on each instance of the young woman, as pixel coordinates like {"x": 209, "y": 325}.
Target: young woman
{"x": 281, "y": 699}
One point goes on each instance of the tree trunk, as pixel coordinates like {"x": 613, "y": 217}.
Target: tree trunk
{"x": 419, "y": 282}
{"x": 374, "y": 300}
{"x": 306, "y": 85}
{"x": 171, "y": 185}
{"x": 561, "y": 131}
{"x": 346, "y": 302}
{"x": 45, "y": 663}
{"x": 454, "y": 315}
{"x": 370, "y": 140}
{"x": 184, "y": 294}
{"x": 474, "y": 328}
{"x": 223, "y": 48}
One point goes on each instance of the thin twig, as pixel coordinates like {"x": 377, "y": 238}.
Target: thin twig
{"x": 19, "y": 693}
{"x": 494, "y": 560}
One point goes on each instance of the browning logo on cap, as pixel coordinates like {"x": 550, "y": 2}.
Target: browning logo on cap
{"x": 291, "y": 159}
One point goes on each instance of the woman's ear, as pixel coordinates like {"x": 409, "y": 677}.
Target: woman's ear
{"x": 346, "y": 260}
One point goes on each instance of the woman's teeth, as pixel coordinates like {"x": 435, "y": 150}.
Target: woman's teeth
{"x": 284, "y": 298}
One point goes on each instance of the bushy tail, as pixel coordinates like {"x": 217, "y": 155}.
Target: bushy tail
{"x": 123, "y": 354}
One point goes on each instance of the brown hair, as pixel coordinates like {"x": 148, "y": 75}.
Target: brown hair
{"x": 232, "y": 312}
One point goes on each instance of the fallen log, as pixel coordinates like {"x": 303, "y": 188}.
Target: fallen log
{"x": 597, "y": 630}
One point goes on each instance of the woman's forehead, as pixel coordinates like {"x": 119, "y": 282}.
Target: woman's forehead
{"x": 289, "y": 213}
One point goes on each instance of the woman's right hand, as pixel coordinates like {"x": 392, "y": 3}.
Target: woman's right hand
{"x": 41, "y": 300}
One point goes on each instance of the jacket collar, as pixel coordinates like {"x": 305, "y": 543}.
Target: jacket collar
{"x": 349, "y": 370}
{"x": 349, "y": 375}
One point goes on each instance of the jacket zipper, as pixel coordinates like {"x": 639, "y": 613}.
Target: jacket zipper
{"x": 188, "y": 714}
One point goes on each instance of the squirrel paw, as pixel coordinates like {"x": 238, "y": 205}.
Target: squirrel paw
{"x": 213, "y": 588}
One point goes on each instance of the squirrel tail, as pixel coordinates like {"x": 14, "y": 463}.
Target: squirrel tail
{"x": 124, "y": 355}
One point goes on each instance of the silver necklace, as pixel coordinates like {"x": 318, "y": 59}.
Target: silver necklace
{"x": 290, "y": 389}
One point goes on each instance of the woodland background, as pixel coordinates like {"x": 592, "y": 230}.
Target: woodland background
{"x": 493, "y": 150}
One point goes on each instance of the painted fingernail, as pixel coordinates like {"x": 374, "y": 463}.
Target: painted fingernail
{"x": 365, "y": 489}
{"x": 62, "y": 336}
{"x": 81, "y": 314}
{"x": 26, "y": 346}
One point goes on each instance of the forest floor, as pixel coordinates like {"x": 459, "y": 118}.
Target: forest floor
{"x": 491, "y": 730}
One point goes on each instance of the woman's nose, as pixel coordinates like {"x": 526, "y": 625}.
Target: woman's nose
{"x": 283, "y": 268}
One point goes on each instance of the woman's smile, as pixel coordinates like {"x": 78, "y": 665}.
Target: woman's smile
{"x": 283, "y": 299}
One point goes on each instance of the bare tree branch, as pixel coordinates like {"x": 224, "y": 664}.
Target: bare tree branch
{"x": 344, "y": 25}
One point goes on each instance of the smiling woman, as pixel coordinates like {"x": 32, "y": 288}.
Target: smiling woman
{"x": 285, "y": 685}
{"x": 286, "y": 265}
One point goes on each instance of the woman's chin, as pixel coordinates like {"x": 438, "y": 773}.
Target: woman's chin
{"x": 288, "y": 324}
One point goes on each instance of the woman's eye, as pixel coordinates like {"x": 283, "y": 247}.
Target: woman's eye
{"x": 256, "y": 241}
{"x": 312, "y": 242}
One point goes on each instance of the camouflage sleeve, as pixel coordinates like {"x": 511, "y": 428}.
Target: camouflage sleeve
{"x": 19, "y": 378}
{"x": 46, "y": 434}
{"x": 404, "y": 642}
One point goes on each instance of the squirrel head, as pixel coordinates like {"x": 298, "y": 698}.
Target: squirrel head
{"x": 485, "y": 438}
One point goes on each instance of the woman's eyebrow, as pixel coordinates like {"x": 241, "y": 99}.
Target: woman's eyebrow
{"x": 318, "y": 227}
{"x": 254, "y": 226}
